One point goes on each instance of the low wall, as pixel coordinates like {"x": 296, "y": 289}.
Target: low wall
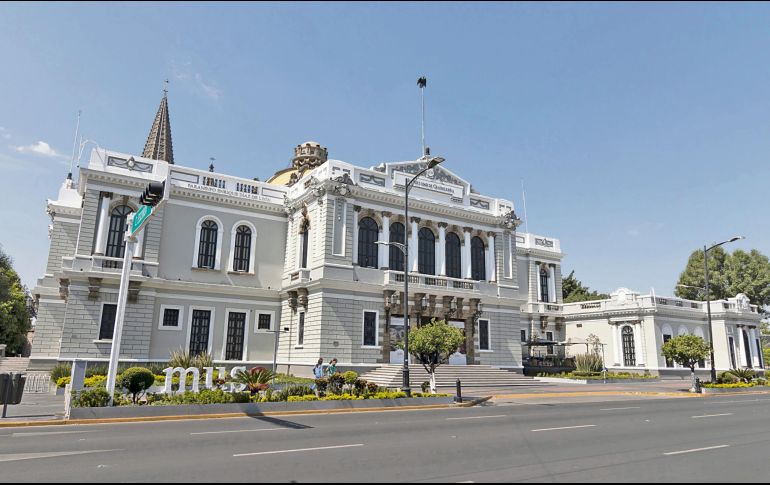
{"x": 561, "y": 380}
{"x": 737, "y": 390}
{"x": 250, "y": 409}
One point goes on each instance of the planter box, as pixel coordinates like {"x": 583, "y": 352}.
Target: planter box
{"x": 754, "y": 390}
{"x": 250, "y": 409}
{"x": 562, "y": 380}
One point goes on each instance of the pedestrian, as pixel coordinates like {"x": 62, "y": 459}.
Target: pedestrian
{"x": 332, "y": 369}
{"x": 318, "y": 373}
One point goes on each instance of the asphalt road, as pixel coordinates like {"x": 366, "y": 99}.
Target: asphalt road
{"x": 665, "y": 440}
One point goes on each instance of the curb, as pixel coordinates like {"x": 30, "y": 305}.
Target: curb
{"x": 599, "y": 393}
{"x": 473, "y": 403}
{"x": 21, "y": 424}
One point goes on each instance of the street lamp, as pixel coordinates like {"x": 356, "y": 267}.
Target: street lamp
{"x": 432, "y": 162}
{"x": 708, "y": 299}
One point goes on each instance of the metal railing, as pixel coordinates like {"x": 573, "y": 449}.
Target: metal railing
{"x": 38, "y": 383}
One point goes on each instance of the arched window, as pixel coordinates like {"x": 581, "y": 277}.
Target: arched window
{"x": 426, "y": 262}
{"x": 544, "y": 290}
{"x": 305, "y": 234}
{"x": 368, "y": 233}
{"x": 629, "y": 351}
{"x": 453, "y": 256}
{"x": 116, "y": 244}
{"x": 242, "y": 250}
{"x": 478, "y": 259}
{"x": 396, "y": 257}
{"x": 207, "y": 247}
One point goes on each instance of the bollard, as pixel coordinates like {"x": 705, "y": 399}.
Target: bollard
{"x": 459, "y": 397}
{"x": 8, "y": 394}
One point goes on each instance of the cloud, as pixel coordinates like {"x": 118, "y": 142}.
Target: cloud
{"x": 194, "y": 81}
{"x": 4, "y": 134}
{"x": 39, "y": 148}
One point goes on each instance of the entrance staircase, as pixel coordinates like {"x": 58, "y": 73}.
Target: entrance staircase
{"x": 17, "y": 365}
{"x": 471, "y": 376}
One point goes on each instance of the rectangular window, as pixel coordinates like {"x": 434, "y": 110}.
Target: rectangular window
{"x": 199, "y": 332}
{"x": 483, "y": 334}
{"x": 107, "y": 325}
{"x": 264, "y": 322}
{"x": 523, "y": 335}
{"x": 301, "y": 333}
{"x": 549, "y": 337}
{"x": 171, "y": 317}
{"x": 370, "y": 329}
{"x": 236, "y": 330}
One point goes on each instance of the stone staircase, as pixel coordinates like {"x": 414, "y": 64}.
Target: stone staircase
{"x": 16, "y": 365}
{"x": 471, "y": 376}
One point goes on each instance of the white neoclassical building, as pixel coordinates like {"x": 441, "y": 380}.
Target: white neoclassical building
{"x": 232, "y": 263}
{"x": 634, "y": 327}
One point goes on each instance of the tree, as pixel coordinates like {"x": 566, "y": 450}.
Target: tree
{"x": 432, "y": 344}
{"x": 729, "y": 274}
{"x": 14, "y": 315}
{"x": 687, "y": 350}
{"x": 574, "y": 291}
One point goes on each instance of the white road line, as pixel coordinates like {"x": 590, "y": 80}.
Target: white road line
{"x": 299, "y": 450}
{"x": 478, "y": 417}
{"x": 48, "y": 433}
{"x": 36, "y": 456}
{"x": 565, "y": 427}
{"x": 620, "y": 409}
{"x": 711, "y": 415}
{"x": 696, "y": 449}
{"x": 236, "y": 431}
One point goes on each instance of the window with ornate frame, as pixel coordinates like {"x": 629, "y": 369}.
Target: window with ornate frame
{"x": 454, "y": 265}
{"x": 368, "y": 234}
{"x": 629, "y": 349}
{"x": 478, "y": 259}
{"x": 396, "y": 256}
{"x": 426, "y": 261}
{"x": 116, "y": 243}
{"x": 544, "y": 290}
{"x": 242, "y": 249}
{"x": 207, "y": 246}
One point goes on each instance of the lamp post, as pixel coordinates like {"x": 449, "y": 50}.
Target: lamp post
{"x": 432, "y": 162}
{"x": 708, "y": 299}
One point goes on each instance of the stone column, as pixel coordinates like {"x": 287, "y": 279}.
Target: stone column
{"x": 356, "y": 210}
{"x": 414, "y": 244}
{"x": 537, "y": 282}
{"x": 639, "y": 344}
{"x": 103, "y": 224}
{"x": 741, "y": 348}
{"x": 384, "y": 251}
{"x": 491, "y": 260}
{"x": 441, "y": 249}
{"x": 551, "y": 284}
{"x": 466, "y": 253}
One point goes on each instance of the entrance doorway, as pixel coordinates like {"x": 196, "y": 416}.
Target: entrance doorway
{"x": 460, "y": 356}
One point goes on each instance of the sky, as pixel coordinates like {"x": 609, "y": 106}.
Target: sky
{"x": 641, "y": 132}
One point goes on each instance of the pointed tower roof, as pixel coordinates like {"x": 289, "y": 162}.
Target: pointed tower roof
{"x": 158, "y": 146}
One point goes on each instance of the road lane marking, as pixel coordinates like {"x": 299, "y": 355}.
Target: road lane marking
{"x": 696, "y": 449}
{"x": 620, "y": 409}
{"x": 48, "y": 433}
{"x": 711, "y": 415}
{"x": 298, "y": 450}
{"x": 737, "y": 402}
{"x": 36, "y": 456}
{"x": 235, "y": 431}
{"x": 478, "y": 417}
{"x": 564, "y": 427}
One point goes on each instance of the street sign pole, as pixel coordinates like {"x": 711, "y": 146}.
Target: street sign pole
{"x": 117, "y": 333}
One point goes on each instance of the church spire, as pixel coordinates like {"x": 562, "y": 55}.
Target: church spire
{"x": 158, "y": 146}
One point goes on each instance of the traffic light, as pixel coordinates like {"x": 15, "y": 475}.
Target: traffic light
{"x": 153, "y": 194}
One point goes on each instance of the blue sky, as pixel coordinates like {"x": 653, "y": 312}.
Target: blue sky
{"x": 641, "y": 131}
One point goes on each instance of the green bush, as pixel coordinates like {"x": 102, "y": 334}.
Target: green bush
{"x": 95, "y": 381}
{"x": 336, "y": 383}
{"x": 745, "y": 375}
{"x": 322, "y": 384}
{"x": 727, "y": 378}
{"x": 302, "y": 398}
{"x": 350, "y": 377}
{"x": 342, "y": 397}
{"x": 98, "y": 369}
{"x": 732, "y": 385}
{"x": 61, "y": 370}
{"x": 184, "y": 359}
{"x": 372, "y": 387}
{"x": 588, "y": 363}
{"x": 94, "y": 398}
{"x": 62, "y": 382}
{"x": 206, "y": 396}
{"x": 289, "y": 379}
{"x": 425, "y": 386}
{"x": 136, "y": 380}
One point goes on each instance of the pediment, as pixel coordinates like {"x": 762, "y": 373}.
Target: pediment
{"x": 438, "y": 174}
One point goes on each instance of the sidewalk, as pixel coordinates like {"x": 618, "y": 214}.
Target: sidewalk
{"x": 36, "y": 407}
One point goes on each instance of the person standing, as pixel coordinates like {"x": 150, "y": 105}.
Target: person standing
{"x": 332, "y": 369}
{"x": 318, "y": 373}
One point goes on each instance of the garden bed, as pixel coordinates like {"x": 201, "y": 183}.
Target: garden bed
{"x": 251, "y": 409}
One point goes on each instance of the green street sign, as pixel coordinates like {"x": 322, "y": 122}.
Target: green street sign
{"x": 140, "y": 218}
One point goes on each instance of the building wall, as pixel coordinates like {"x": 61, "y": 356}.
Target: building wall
{"x": 48, "y": 328}
{"x": 64, "y": 238}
